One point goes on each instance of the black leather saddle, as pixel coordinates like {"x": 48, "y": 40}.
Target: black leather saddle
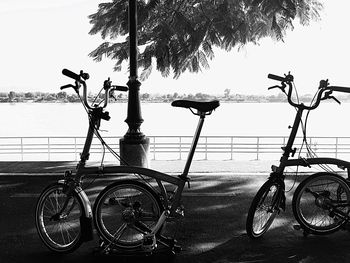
{"x": 201, "y": 106}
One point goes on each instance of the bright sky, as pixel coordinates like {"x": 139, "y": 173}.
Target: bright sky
{"x": 41, "y": 37}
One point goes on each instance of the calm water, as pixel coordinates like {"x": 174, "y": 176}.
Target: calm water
{"x": 59, "y": 119}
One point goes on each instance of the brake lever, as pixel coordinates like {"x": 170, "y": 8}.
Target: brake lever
{"x": 67, "y": 86}
{"x": 274, "y": 87}
{"x": 336, "y": 100}
{"x": 327, "y": 95}
{"x": 282, "y": 87}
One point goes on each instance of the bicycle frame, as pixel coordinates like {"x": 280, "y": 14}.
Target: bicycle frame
{"x": 168, "y": 201}
{"x": 288, "y": 150}
{"x": 258, "y": 223}
{"x": 278, "y": 171}
{"x": 179, "y": 182}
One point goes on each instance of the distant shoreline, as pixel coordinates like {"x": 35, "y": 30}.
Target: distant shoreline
{"x": 157, "y": 101}
{"x": 63, "y": 97}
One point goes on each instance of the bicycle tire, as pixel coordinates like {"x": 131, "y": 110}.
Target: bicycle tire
{"x": 59, "y": 230}
{"x": 121, "y": 209}
{"x": 255, "y": 228}
{"x": 311, "y": 201}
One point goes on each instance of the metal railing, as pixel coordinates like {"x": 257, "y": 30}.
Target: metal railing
{"x": 170, "y": 147}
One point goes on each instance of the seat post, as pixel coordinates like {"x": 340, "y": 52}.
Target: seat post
{"x": 194, "y": 144}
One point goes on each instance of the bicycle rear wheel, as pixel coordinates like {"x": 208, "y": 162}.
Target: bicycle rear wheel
{"x": 124, "y": 212}
{"x": 263, "y": 208}
{"x": 57, "y": 218}
{"x": 321, "y": 203}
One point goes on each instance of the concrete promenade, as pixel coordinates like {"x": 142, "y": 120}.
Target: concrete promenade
{"x": 213, "y": 230}
{"x": 167, "y": 166}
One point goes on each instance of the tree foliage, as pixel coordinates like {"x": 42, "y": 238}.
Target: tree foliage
{"x": 180, "y": 35}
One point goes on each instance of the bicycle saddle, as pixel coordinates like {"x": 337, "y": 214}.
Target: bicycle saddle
{"x": 202, "y": 106}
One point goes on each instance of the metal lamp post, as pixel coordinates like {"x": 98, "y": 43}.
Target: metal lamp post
{"x": 134, "y": 146}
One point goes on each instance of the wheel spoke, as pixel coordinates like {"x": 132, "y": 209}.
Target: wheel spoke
{"x": 120, "y": 231}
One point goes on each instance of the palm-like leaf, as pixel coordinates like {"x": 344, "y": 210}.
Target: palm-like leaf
{"x": 179, "y": 35}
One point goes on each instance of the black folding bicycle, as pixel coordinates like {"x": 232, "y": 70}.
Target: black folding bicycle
{"x": 321, "y": 203}
{"x": 128, "y": 214}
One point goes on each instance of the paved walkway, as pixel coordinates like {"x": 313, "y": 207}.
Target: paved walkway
{"x": 167, "y": 166}
{"x": 213, "y": 230}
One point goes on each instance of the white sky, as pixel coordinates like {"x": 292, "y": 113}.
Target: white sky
{"x": 41, "y": 37}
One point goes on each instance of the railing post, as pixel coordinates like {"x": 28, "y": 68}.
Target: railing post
{"x": 257, "y": 147}
{"x": 310, "y": 143}
{"x": 180, "y": 148}
{"x": 231, "y": 147}
{"x": 22, "y": 153}
{"x": 48, "y": 148}
{"x": 206, "y": 148}
{"x": 75, "y": 148}
{"x": 154, "y": 147}
{"x": 336, "y": 147}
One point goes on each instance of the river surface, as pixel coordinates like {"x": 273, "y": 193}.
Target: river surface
{"x": 239, "y": 119}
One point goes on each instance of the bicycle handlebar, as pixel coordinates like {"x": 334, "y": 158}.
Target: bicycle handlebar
{"x": 286, "y": 78}
{"x": 120, "y": 88}
{"x": 71, "y": 74}
{"x": 339, "y": 89}
{"x": 80, "y": 79}
{"x": 324, "y": 86}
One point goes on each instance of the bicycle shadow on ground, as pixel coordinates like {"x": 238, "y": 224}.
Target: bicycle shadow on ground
{"x": 213, "y": 230}
{"x": 282, "y": 243}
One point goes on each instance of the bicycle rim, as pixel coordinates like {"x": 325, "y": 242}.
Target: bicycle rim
{"x": 263, "y": 209}
{"x": 321, "y": 203}
{"x": 124, "y": 212}
{"x": 59, "y": 227}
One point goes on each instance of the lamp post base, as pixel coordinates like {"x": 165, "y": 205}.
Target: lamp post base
{"x": 134, "y": 152}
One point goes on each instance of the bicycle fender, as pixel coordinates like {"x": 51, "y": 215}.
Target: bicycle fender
{"x": 85, "y": 200}
{"x": 85, "y": 222}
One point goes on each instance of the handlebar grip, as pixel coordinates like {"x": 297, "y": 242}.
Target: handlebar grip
{"x": 71, "y": 74}
{"x": 340, "y": 89}
{"x": 275, "y": 77}
{"x": 121, "y": 88}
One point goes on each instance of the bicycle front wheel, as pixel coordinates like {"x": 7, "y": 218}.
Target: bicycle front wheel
{"x": 57, "y": 218}
{"x": 124, "y": 212}
{"x": 321, "y": 203}
{"x": 263, "y": 208}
